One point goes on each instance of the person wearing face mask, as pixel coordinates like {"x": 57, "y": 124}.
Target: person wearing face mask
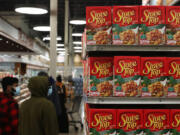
{"x": 16, "y": 88}
{"x": 8, "y": 107}
{"x": 37, "y": 114}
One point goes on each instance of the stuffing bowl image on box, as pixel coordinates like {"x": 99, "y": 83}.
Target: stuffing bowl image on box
{"x": 101, "y": 76}
{"x": 172, "y": 25}
{"x": 102, "y": 122}
{"x": 152, "y": 25}
{"x": 153, "y": 72}
{"x": 125, "y": 25}
{"x": 126, "y": 76}
{"x": 98, "y": 25}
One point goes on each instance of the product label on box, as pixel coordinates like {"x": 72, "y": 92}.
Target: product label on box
{"x": 98, "y": 24}
{"x": 129, "y": 121}
{"x": 102, "y": 122}
{"x": 101, "y": 76}
{"x": 152, "y": 28}
{"x": 173, "y": 83}
{"x": 125, "y": 25}
{"x": 127, "y": 75}
{"x": 156, "y": 121}
{"x": 172, "y": 25}
{"x": 153, "y": 78}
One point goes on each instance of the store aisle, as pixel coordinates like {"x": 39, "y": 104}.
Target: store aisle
{"x": 73, "y": 132}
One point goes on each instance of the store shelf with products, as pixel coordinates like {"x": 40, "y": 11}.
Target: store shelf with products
{"x": 133, "y": 100}
{"x": 137, "y": 70}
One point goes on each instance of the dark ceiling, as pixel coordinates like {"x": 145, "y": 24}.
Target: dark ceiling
{"x": 77, "y": 11}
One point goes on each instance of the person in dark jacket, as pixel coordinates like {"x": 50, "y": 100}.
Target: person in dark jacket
{"x": 54, "y": 96}
{"x": 63, "y": 119}
{"x": 38, "y": 115}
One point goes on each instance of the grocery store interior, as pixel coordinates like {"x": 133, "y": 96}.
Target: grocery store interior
{"x": 111, "y": 71}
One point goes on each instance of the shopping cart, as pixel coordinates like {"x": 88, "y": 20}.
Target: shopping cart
{"x": 75, "y": 110}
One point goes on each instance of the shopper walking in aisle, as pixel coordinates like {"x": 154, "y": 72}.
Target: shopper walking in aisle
{"x": 8, "y": 107}
{"x": 38, "y": 115}
{"x": 63, "y": 119}
{"x": 54, "y": 96}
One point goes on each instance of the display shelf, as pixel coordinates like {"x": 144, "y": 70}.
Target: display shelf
{"x": 140, "y": 100}
{"x": 151, "y": 48}
{"x": 138, "y": 49}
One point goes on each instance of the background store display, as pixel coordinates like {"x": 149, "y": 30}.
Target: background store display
{"x": 126, "y": 76}
{"x": 98, "y": 24}
{"x": 173, "y": 24}
{"x": 125, "y": 25}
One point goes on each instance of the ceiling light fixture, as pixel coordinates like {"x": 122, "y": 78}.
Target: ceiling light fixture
{"x": 78, "y": 51}
{"x": 77, "y": 34}
{"x": 31, "y": 9}
{"x": 77, "y": 22}
{"x": 60, "y": 45}
{"x": 77, "y": 47}
{"x": 60, "y": 49}
{"x": 48, "y": 38}
{"x": 77, "y": 42}
{"x": 42, "y": 28}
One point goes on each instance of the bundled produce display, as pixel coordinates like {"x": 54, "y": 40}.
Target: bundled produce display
{"x": 126, "y": 76}
{"x": 173, "y": 24}
{"x": 153, "y": 79}
{"x": 98, "y": 25}
{"x": 152, "y": 25}
{"x": 133, "y": 121}
{"x": 173, "y": 76}
{"x": 133, "y": 25}
{"x": 101, "y": 76}
{"x": 125, "y": 25}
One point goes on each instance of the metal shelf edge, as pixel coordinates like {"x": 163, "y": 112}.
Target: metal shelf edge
{"x": 157, "y": 48}
{"x": 118, "y": 100}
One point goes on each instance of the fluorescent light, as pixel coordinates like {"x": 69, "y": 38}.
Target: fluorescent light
{"x": 77, "y": 22}
{"x": 77, "y": 47}
{"x": 77, "y": 42}
{"x": 1, "y": 39}
{"x": 60, "y": 49}
{"x": 31, "y": 10}
{"x": 48, "y": 38}
{"x": 60, "y": 45}
{"x": 42, "y": 28}
{"x": 78, "y": 51}
{"x": 77, "y": 34}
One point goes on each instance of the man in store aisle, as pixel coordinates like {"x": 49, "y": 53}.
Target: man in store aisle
{"x": 9, "y": 107}
{"x": 38, "y": 114}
